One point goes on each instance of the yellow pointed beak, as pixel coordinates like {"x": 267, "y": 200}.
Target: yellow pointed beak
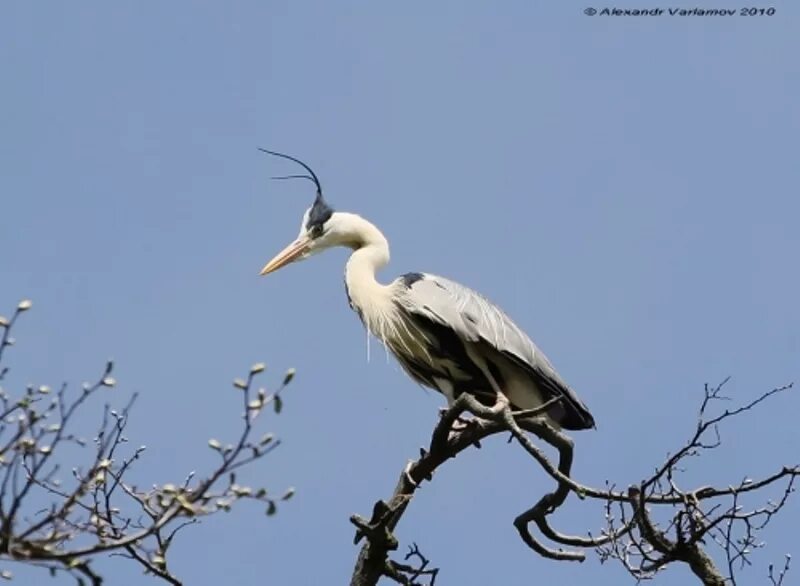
{"x": 287, "y": 255}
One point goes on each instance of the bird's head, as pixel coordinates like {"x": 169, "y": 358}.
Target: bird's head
{"x": 321, "y": 228}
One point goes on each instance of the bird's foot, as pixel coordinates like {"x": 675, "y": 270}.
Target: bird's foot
{"x": 501, "y": 404}
{"x": 463, "y": 426}
{"x": 460, "y": 423}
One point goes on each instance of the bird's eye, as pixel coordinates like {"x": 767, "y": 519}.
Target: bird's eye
{"x": 316, "y": 230}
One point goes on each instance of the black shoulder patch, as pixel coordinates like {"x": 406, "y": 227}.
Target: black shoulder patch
{"x": 411, "y": 278}
{"x": 319, "y": 213}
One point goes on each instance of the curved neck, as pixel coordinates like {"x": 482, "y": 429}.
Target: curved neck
{"x": 370, "y": 254}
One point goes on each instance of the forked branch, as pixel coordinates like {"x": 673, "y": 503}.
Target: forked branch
{"x": 690, "y": 520}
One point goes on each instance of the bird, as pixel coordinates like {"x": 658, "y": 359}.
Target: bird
{"x": 445, "y": 336}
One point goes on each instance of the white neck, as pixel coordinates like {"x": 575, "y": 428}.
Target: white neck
{"x": 370, "y": 254}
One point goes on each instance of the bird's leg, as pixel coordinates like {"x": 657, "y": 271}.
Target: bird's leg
{"x": 501, "y": 402}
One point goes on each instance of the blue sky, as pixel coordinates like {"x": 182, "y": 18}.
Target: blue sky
{"x": 625, "y": 188}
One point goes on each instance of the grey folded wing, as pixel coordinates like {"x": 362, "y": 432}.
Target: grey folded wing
{"x": 474, "y": 318}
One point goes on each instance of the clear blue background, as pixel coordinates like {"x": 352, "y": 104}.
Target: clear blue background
{"x": 626, "y": 188}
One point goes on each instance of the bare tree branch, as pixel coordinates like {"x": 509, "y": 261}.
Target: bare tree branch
{"x": 629, "y": 533}
{"x": 96, "y": 510}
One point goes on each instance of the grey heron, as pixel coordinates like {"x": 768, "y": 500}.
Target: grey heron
{"x": 444, "y": 335}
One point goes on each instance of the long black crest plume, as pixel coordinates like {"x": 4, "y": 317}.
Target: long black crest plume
{"x": 312, "y": 176}
{"x": 320, "y": 212}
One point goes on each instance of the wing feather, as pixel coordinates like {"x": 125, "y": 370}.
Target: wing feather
{"x": 476, "y": 319}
